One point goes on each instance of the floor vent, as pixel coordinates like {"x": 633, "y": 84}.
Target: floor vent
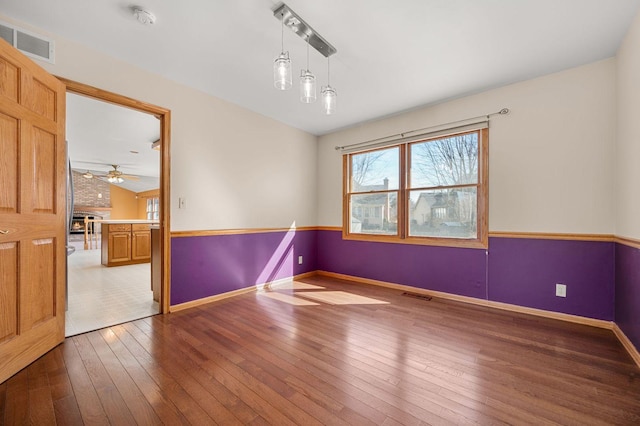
{"x": 417, "y": 296}
{"x": 33, "y": 45}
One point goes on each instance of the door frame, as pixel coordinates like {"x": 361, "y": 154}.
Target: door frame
{"x": 164, "y": 115}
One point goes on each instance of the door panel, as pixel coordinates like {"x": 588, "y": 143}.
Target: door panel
{"x": 38, "y": 97}
{"x": 36, "y": 284}
{"x": 8, "y": 163}
{"x": 32, "y": 211}
{"x": 9, "y": 76}
{"x": 43, "y": 149}
{"x": 8, "y": 290}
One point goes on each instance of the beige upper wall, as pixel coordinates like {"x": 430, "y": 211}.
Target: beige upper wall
{"x": 124, "y": 204}
{"x": 550, "y": 159}
{"x": 627, "y": 170}
{"x": 236, "y": 168}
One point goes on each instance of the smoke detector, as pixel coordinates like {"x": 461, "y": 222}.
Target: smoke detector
{"x": 144, "y": 16}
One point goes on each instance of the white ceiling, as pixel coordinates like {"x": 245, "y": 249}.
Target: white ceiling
{"x": 100, "y": 135}
{"x": 392, "y": 55}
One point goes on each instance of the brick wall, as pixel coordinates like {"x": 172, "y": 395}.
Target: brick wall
{"x": 87, "y": 191}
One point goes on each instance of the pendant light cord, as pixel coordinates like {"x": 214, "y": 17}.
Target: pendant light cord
{"x": 328, "y": 71}
{"x": 307, "y": 53}
{"x": 282, "y": 33}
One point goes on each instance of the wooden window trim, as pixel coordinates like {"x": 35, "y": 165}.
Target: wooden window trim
{"x": 402, "y": 237}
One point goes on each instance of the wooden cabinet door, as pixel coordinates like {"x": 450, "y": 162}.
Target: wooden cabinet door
{"x": 32, "y": 211}
{"x": 141, "y": 245}
{"x": 119, "y": 247}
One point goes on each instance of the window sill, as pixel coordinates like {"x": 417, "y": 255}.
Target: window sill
{"x": 438, "y": 242}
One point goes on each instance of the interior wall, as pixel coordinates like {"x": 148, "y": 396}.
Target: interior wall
{"x": 123, "y": 203}
{"x": 627, "y": 176}
{"x": 551, "y": 163}
{"x": 234, "y": 167}
{"x": 550, "y": 159}
{"x": 627, "y": 172}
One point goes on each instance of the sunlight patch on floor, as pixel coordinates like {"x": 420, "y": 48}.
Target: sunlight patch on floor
{"x": 292, "y": 300}
{"x": 296, "y": 285}
{"x": 341, "y": 298}
{"x": 303, "y": 294}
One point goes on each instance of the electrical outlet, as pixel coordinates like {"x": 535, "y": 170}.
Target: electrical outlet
{"x": 299, "y": 260}
{"x": 561, "y": 290}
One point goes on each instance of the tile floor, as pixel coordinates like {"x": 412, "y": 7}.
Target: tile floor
{"x": 100, "y": 297}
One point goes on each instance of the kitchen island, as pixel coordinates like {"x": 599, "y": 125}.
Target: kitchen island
{"x": 126, "y": 242}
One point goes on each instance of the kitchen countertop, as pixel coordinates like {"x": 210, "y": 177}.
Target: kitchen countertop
{"x": 116, "y": 221}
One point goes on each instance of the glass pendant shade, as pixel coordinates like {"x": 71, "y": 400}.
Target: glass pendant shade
{"x": 307, "y": 87}
{"x": 282, "y": 78}
{"x": 329, "y": 98}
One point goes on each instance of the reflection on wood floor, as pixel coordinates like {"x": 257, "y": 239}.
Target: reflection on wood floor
{"x": 355, "y": 354}
{"x": 99, "y": 296}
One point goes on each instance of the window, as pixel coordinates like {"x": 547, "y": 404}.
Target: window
{"x": 429, "y": 191}
{"x": 153, "y": 208}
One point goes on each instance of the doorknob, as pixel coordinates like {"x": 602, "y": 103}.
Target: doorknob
{"x": 4, "y": 231}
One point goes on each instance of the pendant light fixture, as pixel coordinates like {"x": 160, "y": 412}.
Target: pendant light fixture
{"x": 282, "y": 78}
{"x": 307, "y": 83}
{"x": 329, "y": 94}
{"x": 283, "y": 64}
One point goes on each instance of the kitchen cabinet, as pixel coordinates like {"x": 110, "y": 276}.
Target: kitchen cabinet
{"x": 125, "y": 243}
{"x": 140, "y": 242}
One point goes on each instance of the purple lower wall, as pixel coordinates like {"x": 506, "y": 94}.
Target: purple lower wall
{"x": 518, "y": 271}
{"x": 628, "y": 292}
{"x": 204, "y": 266}
{"x": 452, "y": 270}
{"x": 524, "y": 272}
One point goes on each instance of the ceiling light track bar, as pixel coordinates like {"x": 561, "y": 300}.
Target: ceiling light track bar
{"x": 296, "y": 24}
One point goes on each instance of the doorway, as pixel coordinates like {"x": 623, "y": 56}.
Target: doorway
{"x": 124, "y": 183}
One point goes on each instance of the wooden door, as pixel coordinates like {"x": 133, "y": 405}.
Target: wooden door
{"x": 32, "y": 211}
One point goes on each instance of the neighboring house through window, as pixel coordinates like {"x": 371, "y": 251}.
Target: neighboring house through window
{"x": 428, "y": 191}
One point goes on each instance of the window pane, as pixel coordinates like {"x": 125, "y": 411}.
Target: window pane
{"x": 374, "y": 214}
{"x": 450, "y": 213}
{"x": 375, "y": 170}
{"x": 443, "y": 162}
{"x": 149, "y": 204}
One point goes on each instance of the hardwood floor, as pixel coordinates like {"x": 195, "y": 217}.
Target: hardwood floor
{"x": 326, "y": 351}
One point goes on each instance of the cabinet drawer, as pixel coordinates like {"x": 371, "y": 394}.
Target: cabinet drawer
{"x": 119, "y": 227}
{"x": 140, "y": 226}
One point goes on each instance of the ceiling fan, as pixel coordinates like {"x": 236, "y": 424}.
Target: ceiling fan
{"x": 112, "y": 176}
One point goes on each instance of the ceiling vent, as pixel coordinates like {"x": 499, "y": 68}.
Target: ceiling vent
{"x": 32, "y": 45}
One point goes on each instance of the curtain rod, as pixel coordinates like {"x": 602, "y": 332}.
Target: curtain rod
{"x": 503, "y": 111}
